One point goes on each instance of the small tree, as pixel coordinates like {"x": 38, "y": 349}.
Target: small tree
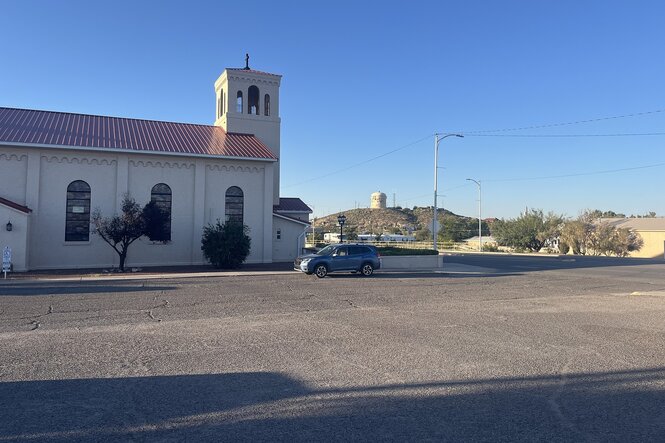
{"x": 120, "y": 231}
{"x": 226, "y": 245}
{"x": 531, "y": 230}
{"x": 626, "y": 241}
{"x": 423, "y": 234}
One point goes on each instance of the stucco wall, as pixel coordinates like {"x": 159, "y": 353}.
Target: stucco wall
{"x": 266, "y": 128}
{"x": 654, "y": 244}
{"x": 13, "y": 173}
{"x": 17, "y": 239}
{"x": 286, "y": 248}
{"x": 38, "y": 178}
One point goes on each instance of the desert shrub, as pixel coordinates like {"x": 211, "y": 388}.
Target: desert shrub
{"x": 226, "y": 245}
{"x": 491, "y": 247}
{"x": 390, "y": 250}
{"x": 563, "y": 248}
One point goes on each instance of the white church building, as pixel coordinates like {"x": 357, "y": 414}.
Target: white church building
{"x": 56, "y": 168}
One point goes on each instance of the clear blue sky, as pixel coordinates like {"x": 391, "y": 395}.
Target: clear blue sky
{"x": 364, "y": 78}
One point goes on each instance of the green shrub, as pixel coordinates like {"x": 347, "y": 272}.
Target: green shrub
{"x": 490, "y": 247}
{"x": 563, "y": 248}
{"x": 391, "y": 250}
{"x": 226, "y": 245}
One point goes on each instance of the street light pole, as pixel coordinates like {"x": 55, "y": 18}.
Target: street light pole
{"x": 480, "y": 232}
{"x": 341, "y": 219}
{"x": 437, "y": 138}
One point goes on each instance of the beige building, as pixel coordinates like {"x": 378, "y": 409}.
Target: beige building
{"x": 652, "y": 231}
{"x": 56, "y": 168}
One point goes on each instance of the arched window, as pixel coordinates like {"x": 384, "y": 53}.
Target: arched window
{"x": 266, "y": 105}
{"x": 253, "y": 100}
{"x": 223, "y": 102}
{"x": 77, "y": 219}
{"x": 234, "y": 204}
{"x": 239, "y": 103}
{"x": 159, "y": 226}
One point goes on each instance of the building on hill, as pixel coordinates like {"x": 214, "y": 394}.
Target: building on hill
{"x": 378, "y": 200}
{"x": 56, "y": 168}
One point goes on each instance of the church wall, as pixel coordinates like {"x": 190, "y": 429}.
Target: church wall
{"x": 39, "y": 178}
{"x": 286, "y": 247}
{"x": 266, "y": 128}
{"x": 144, "y": 172}
{"x": 13, "y": 173}
{"x": 250, "y": 177}
{"x": 17, "y": 238}
{"x": 57, "y": 169}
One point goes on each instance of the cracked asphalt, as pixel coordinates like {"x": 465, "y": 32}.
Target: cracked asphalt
{"x": 494, "y": 349}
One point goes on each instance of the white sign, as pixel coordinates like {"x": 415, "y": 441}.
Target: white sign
{"x": 6, "y": 259}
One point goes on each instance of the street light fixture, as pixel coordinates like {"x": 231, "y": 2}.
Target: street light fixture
{"x": 341, "y": 219}
{"x": 437, "y": 139}
{"x": 480, "y": 232}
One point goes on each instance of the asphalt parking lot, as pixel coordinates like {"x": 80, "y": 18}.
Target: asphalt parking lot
{"x": 492, "y": 349}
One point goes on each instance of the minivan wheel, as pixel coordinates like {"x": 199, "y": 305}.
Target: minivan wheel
{"x": 367, "y": 269}
{"x": 321, "y": 271}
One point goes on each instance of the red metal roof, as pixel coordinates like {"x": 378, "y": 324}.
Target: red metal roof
{"x": 291, "y": 204}
{"x": 11, "y": 204}
{"x": 94, "y": 131}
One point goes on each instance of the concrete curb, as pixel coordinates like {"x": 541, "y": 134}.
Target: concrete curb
{"x": 169, "y": 276}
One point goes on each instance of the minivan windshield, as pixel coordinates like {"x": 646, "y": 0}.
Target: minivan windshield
{"x": 328, "y": 250}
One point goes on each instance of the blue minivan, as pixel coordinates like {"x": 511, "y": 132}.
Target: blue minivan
{"x": 340, "y": 258}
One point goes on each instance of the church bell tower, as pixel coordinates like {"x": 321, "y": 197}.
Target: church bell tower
{"x": 248, "y": 103}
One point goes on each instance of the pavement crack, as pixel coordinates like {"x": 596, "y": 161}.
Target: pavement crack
{"x": 553, "y": 400}
{"x": 350, "y": 302}
{"x": 34, "y": 317}
{"x": 35, "y": 324}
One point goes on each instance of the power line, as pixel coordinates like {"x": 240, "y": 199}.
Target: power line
{"x": 633, "y": 134}
{"x": 408, "y": 145}
{"x": 580, "y": 174}
{"x": 429, "y": 194}
{"x": 576, "y": 122}
{"x": 482, "y": 133}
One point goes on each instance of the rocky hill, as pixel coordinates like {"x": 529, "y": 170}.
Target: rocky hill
{"x": 378, "y": 221}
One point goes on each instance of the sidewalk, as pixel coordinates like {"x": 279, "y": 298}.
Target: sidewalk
{"x": 175, "y": 272}
{"x": 147, "y": 273}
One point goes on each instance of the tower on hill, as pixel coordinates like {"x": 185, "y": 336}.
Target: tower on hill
{"x": 378, "y": 200}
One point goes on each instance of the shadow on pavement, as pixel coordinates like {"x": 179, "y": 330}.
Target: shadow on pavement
{"x": 264, "y": 406}
{"x": 419, "y": 275}
{"x": 517, "y": 263}
{"x": 78, "y": 288}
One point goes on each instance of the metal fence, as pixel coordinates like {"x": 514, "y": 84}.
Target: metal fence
{"x": 408, "y": 244}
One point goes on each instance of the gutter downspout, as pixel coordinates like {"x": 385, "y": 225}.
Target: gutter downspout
{"x": 298, "y": 248}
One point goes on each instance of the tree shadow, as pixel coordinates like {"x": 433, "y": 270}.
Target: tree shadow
{"x": 523, "y": 264}
{"x": 265, "y": 406}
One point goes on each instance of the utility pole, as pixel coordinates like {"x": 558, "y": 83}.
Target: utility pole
{"x": 437, "y": 139}
{"x": 480, "y": 222}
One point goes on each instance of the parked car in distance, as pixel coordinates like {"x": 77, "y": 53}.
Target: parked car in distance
{"x": 340, "y": 258}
